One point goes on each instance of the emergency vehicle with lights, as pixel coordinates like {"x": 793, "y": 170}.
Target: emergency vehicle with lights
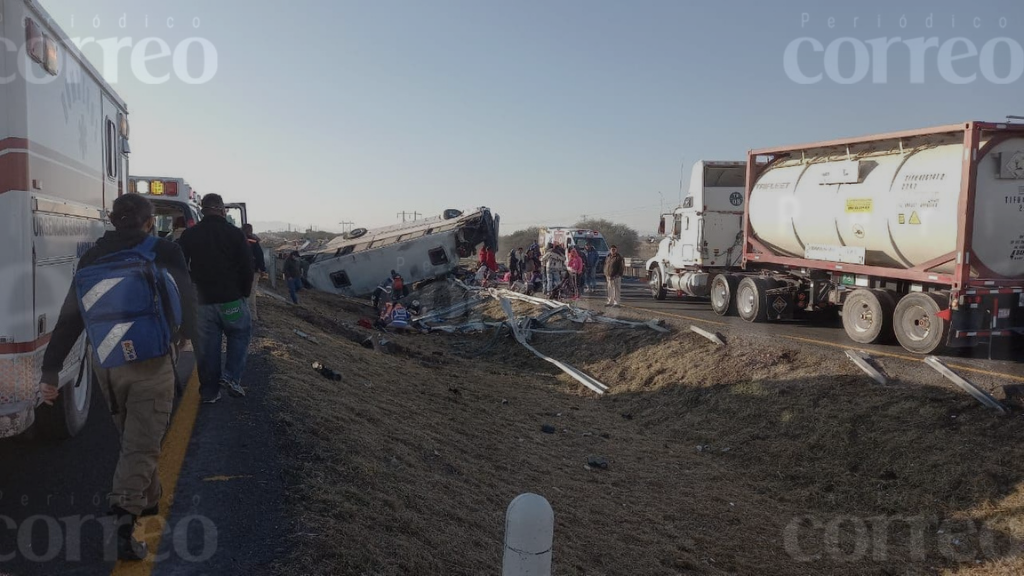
{"x": 576, "y": 238}
{"x": 63, "y": 161}
{"x": 175, "y": 201}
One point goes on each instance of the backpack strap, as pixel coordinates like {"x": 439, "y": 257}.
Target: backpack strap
{"x": 147, "y": 248}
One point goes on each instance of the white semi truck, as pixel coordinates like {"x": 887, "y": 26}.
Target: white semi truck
{"x": 63, "y": 161}
{"x": 917, "y": 235}
{"x": 703, "y": 236}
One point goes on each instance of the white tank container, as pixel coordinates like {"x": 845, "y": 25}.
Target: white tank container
{"x": 903, "y": 210}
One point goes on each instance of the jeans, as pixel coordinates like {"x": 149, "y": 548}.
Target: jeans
{"x": 294, "y": 287}
{"x": 213, "y": 326}
{"x": 592, "y": 277}
{"x": 551, "y": 280}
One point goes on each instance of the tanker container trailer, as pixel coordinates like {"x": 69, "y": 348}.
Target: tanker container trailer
{"x": 915, "y": 235}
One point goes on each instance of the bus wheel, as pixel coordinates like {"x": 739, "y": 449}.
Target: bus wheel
{"x": 867, "y": 316}
{"x": 917, "y": 324}
{"x": 70, "y": 411}
{"x": 723, "y": 291}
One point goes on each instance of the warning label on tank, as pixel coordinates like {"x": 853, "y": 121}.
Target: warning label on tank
{"x": 858, "y": 205}
{"x": 914, "y": 218}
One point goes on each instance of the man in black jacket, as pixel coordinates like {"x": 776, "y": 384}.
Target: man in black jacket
{"x": 140, "y": 395}
{"x": 221, "y": 265}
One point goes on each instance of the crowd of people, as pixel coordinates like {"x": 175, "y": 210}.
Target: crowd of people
{"x": 554, "y": 272}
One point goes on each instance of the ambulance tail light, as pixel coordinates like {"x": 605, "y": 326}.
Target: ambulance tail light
{"x": 156, "y": 188}
{"x": 171, "y": 188}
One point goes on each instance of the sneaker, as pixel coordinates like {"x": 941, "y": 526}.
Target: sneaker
{"x": 234, "y": 389}
{"x": 213, "y": 399}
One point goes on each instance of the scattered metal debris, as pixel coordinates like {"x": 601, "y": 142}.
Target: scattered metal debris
{"x": 863, "y": 360}
{"x": 582, "y": 378}
{"x": 979, "y": 394}
{"x": 715, "y": 337}
{"x": 326, "y": 372}
{"x": 302, "y": 334}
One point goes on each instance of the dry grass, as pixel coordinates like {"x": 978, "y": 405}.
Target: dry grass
{"x": 408, "y": 464}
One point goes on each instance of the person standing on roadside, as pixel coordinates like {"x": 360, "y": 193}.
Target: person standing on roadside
{"x": 259, "y": 265}
{"x": 614, "y": 268}
{"x": 138, "y": 381}
{"x": 221, "y": 265}
{"x": 591, "y": 258}
{"x": 293, "y": 276}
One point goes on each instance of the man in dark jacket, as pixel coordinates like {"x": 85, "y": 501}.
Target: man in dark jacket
{"x": 614, "y": 268}
{"x": 221, "y": 265}
{"x": 140, "y": 394}
{"x": 259, "y": 264}
{"x": 513, "y": 266}
{"x": 293, "y": 275}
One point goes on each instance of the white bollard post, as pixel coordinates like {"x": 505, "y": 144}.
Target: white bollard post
{"x": 529, "y": 533}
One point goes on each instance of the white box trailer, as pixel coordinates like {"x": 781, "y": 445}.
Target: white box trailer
{"x": 63, "y": 161}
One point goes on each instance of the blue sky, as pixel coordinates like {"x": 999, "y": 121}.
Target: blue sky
{"x": 330, "y": 111}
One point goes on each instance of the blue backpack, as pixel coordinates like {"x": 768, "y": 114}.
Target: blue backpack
{"x": 130, "y": 306}
{"x": 400, "y": 318}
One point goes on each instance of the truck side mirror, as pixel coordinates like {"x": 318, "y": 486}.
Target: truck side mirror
{"x": 661, "y": 227}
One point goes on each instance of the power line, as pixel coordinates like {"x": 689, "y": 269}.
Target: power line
{"x": 403, "y": 214}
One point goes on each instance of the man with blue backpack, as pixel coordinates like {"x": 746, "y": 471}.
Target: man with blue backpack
{"x": 133, "y": 298}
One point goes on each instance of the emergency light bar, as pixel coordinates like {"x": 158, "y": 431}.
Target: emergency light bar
{"x": 155, "y": 187}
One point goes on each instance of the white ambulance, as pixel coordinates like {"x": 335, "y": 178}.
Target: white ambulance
{"x": 63, "y": 161}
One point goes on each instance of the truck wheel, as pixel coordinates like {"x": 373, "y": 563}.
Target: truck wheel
{"x": 750, "y": 299}
{"x": 657, "y": 284}
{"x": 70, "y": 411}
{"x": 917, "y": 326}
{"x": 723, "y": 291}
{"x": 867, "y": 316}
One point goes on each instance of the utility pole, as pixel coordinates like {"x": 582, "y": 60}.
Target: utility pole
{"x": 345, "y": 226}
{"x": 403, "y": 214}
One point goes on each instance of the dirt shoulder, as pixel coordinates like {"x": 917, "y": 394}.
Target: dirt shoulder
{"x": 757, "y": 458}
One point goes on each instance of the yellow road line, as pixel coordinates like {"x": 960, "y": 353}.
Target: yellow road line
{"x": 172, "y": 456}
{"x": 909, "y": 358}
{"x": 843, "y": 346}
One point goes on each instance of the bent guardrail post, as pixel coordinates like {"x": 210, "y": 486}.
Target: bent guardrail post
{"x": 529, "y": 533}
{"x": 980, "y": 395}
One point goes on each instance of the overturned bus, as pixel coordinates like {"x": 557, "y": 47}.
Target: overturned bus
{"x": 355, "y": 263}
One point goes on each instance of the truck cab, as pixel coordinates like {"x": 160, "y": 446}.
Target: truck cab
{"x": 704, "y": 234}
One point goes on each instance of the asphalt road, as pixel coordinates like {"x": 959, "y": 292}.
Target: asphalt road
{"x": 227, "y": 515}
{"x": 636, "y": 294}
